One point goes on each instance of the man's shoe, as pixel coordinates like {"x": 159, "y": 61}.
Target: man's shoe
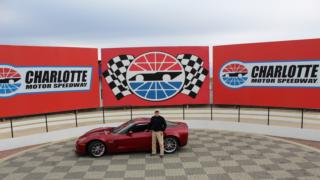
{"x": 161, "y": 156}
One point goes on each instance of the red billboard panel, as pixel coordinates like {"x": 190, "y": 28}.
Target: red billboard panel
{"x": 155, "y": 76}
{"x": 36, "y": 80}
{"x": 276, "y": 74}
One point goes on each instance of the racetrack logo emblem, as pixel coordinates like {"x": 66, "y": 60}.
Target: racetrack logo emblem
{"x": 234, "y": 74}
{"x": 155, "y": 76}
{"x": 275, "y": 74}
{"x": 9, "y": 81}
{"x": 40, "y": 79}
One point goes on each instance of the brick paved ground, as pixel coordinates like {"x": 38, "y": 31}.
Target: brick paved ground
{"x": 209, "y": 155}
{"x": 12, "y": 152}
{"x": 313, "y": 144}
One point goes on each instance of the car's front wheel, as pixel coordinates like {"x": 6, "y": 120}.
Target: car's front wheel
{"x": 96, "y": 148}
{"x": 170, "y": 145}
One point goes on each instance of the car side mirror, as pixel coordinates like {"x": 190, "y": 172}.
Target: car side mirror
{"x": 129, "y": 133}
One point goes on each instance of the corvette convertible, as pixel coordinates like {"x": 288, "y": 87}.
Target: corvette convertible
{"x": 131, "y": 136}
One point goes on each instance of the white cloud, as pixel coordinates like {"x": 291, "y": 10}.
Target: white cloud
{"x": 7, "y": 17}
{"x": 158, "y": 22}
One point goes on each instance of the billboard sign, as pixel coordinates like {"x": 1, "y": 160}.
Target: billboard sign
{"x": 37, "y": 80}
{"x": 276, "y": 74}
{"x": 155, "y": 76}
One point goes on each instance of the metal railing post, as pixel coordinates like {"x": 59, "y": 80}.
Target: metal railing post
{"x": 268, "y": 116}
{"x": 238, "y": 113}
{"x": 183, "y": 113}
{"x": 46, "y": 118}
{"x": 103, "y": 117}
{"x": 76, "y": 117}
{"x": 301, "y": 118}
{"x": 11, "y": 125}
{"x": 211, "y": 111}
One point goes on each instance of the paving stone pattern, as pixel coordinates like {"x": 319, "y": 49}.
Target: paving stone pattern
{"x": 214, "y": 155}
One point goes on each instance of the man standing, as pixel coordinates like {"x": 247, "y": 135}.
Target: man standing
{"x": 157, "y": 125}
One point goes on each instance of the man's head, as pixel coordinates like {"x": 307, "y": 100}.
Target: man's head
{"x": 156, "y": 112}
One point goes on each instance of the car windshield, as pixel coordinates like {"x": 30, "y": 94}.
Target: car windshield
{"x": 171, "y": 124}
{"x": 123, "y": 126}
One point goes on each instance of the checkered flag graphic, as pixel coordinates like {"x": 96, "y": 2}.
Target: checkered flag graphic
{"x": 115, "y": 75}
{"x": 195, "y": 74}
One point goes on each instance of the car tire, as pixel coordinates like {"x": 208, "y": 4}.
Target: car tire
{"x": 171, "y": 145}
{"x": 96, "y": 149}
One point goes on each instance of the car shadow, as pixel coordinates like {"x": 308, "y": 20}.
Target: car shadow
{"x": 139, "y": 154}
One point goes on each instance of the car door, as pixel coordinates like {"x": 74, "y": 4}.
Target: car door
{"x": 122, "y": 141}
{"x": 140, "y": 139}
{"x": 133, "y": 139}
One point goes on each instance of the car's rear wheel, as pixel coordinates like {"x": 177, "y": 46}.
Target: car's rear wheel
{"x": 170, "y": 145}
{"x": 96, "y": 148}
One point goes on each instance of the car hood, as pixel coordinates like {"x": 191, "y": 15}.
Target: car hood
{"x": 98, "y": 130}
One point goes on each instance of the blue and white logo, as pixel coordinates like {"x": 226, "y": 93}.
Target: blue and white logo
{"x": 155, "y": 76}
{"x": 40, "y": 79}
{"x": 271, "y": 73}
{"x": 234, "y": 74}
{"x": 9, "y": 80}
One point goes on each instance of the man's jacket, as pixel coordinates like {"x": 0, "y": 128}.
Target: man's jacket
{"x": 157, "y": 123}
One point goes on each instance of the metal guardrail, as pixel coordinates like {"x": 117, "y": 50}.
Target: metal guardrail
{"x": 209, "y": 112}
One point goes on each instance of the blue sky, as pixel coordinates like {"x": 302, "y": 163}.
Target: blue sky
{"x": 118, "y": 23}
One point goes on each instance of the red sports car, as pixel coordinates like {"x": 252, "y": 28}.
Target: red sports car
{"x": 130, "y": 136}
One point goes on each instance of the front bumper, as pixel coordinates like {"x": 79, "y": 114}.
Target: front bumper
{"x": 79, "y": 148}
